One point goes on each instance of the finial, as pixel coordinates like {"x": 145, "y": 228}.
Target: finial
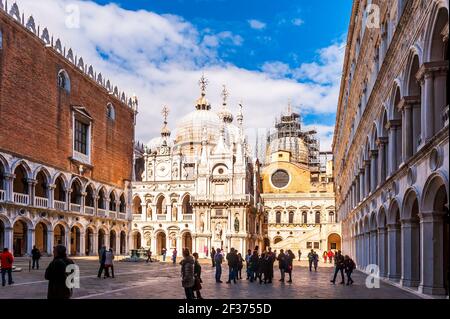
{"x": 225, "y": 94}
{"x": 165, "y": 113}
{"x": 203, "y": 83}
{"x": 165, "y": 132}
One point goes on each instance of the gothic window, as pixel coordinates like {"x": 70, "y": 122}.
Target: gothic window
{"x": 291, "y": 217}
{"x": 305, "y": 218}
{"x": 112, "y": 202}
{"x": 110, "y": 112}
{"x": 64, "y": 81}
{"x": 317, "y": 220}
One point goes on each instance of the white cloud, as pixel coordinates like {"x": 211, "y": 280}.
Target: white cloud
{"x": 256, "y": 24}
{"x": 297, "y": 22}
{"x": 161, "y": 58}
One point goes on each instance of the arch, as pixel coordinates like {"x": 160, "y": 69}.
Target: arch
{"x": 75, "y": 240}
{"x": 317, "y": 218}
{"x": 112, "y": 200}
{"x": 110, "y": 112}
{"x": 291, "y": 217}
{"x": 20, "y": 236}
{"x": 101, "y": 201}
{"x": 161, "y": 205}
{"x": 304, "y": 218}
{"x": 393, "y": 215}
{"x": 433, "y": 184}
{"x": 76, "y": 187}
{"x": 334, "y": 241}
{"x": 2, "y": 234}
{"x": 277, "y": 240}
{"x": 89, "y": 240}
{"x": 112, "y": 239}
{"x": 89, "y": 199}
{"x": 438, "y": 18}
{"x": 101, "y": 238}
{"x": 187, "y": 240}
{"x": 63, "y": 80}
{"x": 395, "y": 98}
{"x": 40, "y": 236}
{"x": 25, "y": 166}
{"x": 186, "y": 205}
{"x": 278, "y": 217}
{"x": 4, "y": 163}
{"x": 22, "y": 176}
{"x": 59, "y": 234}
{"x": 122, "y": 203}
{"x": 42, "y": 178}
{"x": 59, "y": 193}
{"x": 137, "y": 239}
{"x": 161, "y": 241}
{"x": 373, "y": 225}
{"x": 137, "y": 205}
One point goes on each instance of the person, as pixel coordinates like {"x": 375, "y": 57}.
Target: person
{"x": 289, "y": 264}
{"x": 187, "y": 274}
{"x": 163, "y": 253}
{"x": 282, "y": 264}
{"x": 232, "y": 260}
{"x": 311, "y": 259}
{"x": 349, "y": 266}
{"x": 315, "y": 260}
{"x": 35, "y": 256}
{"x": 299, "y": 255}
{"x": 270, "y": 260}
{"x": 101, "y": 259}
{"x": 6, "y": 260}
{"x": 338, "y": 267}
{"x": 325, "y": 257}
{"x": 262, "y": 268}
{"x": 109, "y": 257}
{"x": 218, "y": 259}
{"x": 240, "y": 266}
{"x": 253, "y": 265}
{"x": 213, "y": 254}
{"x": 330, "y": 256}
{"x": 174, "y": 256}
{"x": 56, "y": 274}
{"x": 247, "y": 262}
{"x": 197, "y": 276}
{"x": 149, "y": 256}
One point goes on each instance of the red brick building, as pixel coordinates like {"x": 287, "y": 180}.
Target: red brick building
{"x": 66, "y": 146}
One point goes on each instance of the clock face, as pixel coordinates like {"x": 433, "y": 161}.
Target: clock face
{"x": 164, "y": 151}
{"x": 163, "y": 170}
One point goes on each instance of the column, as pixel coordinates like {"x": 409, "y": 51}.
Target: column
{"x": 31, "y": 190}
{"x": 381, "y": 143}
{"x": 9, "y": 180}
{"x": 9, "y": 238}
{"x": 373, "y": 169}
{"x": 51, "y": 196}
{"x": 367, "y": 178}
{"x": 393, "y": 252}
{"x": 83, "y": 202}
{"x": 107, "y": 235}
{"x": 95, "y": 243}
{"x": 361, "y": 185}
{"x": 410, "y": 241}
{"x": 50, "y": 242}
{"x": 393, "y": 126}
{"x": 373, "y": 247}
{"x": 440, "y": 92}
{"x": 416, "y": 122}
{"x": 30, "y": 240}
{"x": 382, "y": 251}
{"x": 426, "y": 83}
{"x": 82, "y": 243}
{"x": 367, "y": 248}
{"x": 431, "y": 265}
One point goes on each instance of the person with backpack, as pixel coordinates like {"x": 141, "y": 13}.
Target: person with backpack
{"x": 7, "y": 260}
{"x": 339, "y": 267}
{"x": 35, "y": 256}
{"x": 349, "y": 266}
{"x": 311, "y": 259}
{"x": 56, "y": 274}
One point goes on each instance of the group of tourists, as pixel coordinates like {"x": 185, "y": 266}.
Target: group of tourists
{"x": 343, "y": 264}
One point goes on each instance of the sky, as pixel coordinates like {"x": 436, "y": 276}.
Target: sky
{"x": 266, "y": 52}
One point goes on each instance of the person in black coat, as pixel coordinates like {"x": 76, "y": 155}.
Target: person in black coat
{"x": 56, "y": 274}
{"x": 102, "y": 259}
{"x": 197, "y": 276}
{"x": 339, "y": 267}
{"x": 349, "y": 266}
{"x": 35, "y": 256}
{"x": 282, "y": 264}
{"x": 213, "y": 254}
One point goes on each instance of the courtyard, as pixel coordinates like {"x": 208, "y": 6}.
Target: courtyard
{"x": 161, "y": 280}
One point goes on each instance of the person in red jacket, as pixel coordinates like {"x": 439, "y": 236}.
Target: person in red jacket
{"x": 330, "y": 256}
{"x": 7, "y": 260}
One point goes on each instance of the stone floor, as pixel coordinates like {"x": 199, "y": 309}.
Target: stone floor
{"x": 160, "y": 280}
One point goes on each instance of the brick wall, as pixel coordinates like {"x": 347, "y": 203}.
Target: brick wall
{"x": 36, "y": 115}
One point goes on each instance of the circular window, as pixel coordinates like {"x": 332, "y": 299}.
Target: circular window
{"x": 220, "y": 170}
{"x": 280, "y": 179}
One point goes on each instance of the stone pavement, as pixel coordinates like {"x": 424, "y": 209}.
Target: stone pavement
{"x": 160, "y": 280}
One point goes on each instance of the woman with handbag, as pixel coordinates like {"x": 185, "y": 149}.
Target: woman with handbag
{"x": 197, "y": 276}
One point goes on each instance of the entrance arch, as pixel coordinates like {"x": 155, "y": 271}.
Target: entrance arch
{"x": 40, "y": 235}
{"x": 20, "y": 238}
{"x": 160, "y": 242}
{"x": 187, "y": 241}
{"x": 334, "y": 242}
{"x": 75, "y": 241}
{"x": 59, "y": 235}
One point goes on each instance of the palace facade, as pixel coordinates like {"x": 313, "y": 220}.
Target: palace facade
{"x": 200, "y": 188}
{"x": 298, "y": 190}
{"x": 391, "y": 142}
{"x": 66, "y": 146}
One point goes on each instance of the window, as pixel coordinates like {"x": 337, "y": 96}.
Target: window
{"x": 110, "y": 113}
{"x": 81, "y": 137}
{"x": 304, "y": 217}
{"x": 309, "y": 245}
{"x": 280, "y": 178}
{"x": 63, "y": 80}
{"x": 291, "y": 217}
{"x": 316, "y": 245}
{"x": 331, "y": 217}
{"x": 317, "y": 218}
{"x": 278, "y": 218}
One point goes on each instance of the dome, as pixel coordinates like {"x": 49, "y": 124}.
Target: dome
{"x": 295, "y": 145}
{"x": 190, "y": 129}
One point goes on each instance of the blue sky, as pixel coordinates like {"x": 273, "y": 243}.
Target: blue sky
{"x": 267, "y": 52}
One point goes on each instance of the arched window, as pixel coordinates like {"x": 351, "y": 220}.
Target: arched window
{"x": 291, "y": 217}
{"x": 21, "y": 180}
{"x": 1, "y": 40}
{"x": 137, "y": 205}
{"x": 110, "y": 112}
{"x": 101, "y": 199}
{"x": 89, "y": 199}
{"x": 161, "y": 207}
{"x": 41, "y": 185}
{"x": 305, "y": 218}
{"x": 75, "y": 196}
{"x": 60, "y": 192}
{"x": 317, "y": 220}
{"x": 331, "y": 217}
{"x": 64, "y": 81}
{"x": 278, "y": 218}
{"x": 187, "y": 208}
{"x": 112, "y": 202}
{"x": 122, "y": 204}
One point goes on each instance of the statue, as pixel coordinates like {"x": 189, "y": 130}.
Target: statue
{"x": 219, "y": 231}
{"x": 236, "y": 224}
{"x": 149, "y": 211}
{"x": 175, "y": 173}
{"x": 202, "y": 223}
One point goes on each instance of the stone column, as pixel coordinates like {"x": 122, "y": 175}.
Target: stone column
{"x": 373, "y": 247}
{"x": 410, "y": 253}
{"x": 440, "y": 93}
{"x": 31, "y": 191}
{"x": 95, "y": 243}
{"x": 9, "y": 180}
{"x": 107, "y": 235}
{"x": 393, "y": 253}
{"x": 30, "y": 241}
{"x": 361, "y": 185}
{"x": 427, "y": 83}
{"x": 416, "y": 122}
{"x": 51, "y": 196}
{"x": 83, "y": 202}
{"x": 373, "y": 169}
{"x": 50, "y": 242}
{"x": 382, "y": 251}
{"x": 432, "y": 259}
{"x": 393, "y": 126}
{"x": 381, "y": 143}
{"x": 367, "y": 178}
{"x": 82, "y": 243}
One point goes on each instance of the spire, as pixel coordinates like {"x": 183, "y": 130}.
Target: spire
{"x": 165, "y": 131}
{"x": 225, "y": 114}
{"x": 202, "y": 103}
